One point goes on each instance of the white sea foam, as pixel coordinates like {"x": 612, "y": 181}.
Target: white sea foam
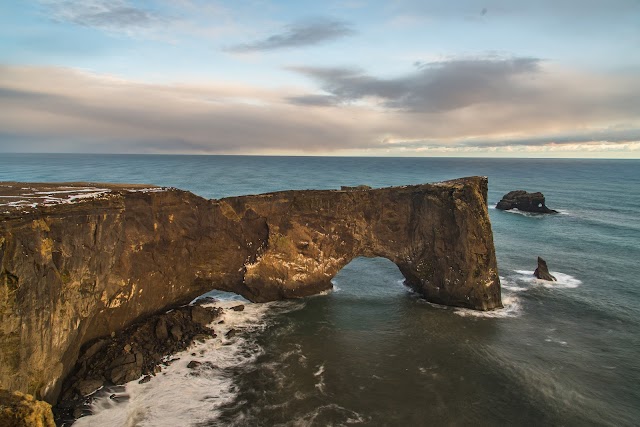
{"x": 564, "y": 281}
{"x": 523, "y": 213}
{"x": 530, "y": 214}
{"x": 183, "y": 396}
{"x": 512, "y": 308}
{"x": 510, "y": 301}
{"x": 556, "y": 341}
{"x": 309, "y": 419}
{"x": 319, "y": 374}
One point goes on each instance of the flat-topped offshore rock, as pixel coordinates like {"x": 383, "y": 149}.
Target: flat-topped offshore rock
{"x": 525, "y": 202}
{"x": 79, "y": 261}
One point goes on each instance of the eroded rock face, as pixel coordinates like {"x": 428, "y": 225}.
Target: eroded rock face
{"x": 23, "y": 410}
{"x": 80, "y": 266}
{"x": 523, "y": 201}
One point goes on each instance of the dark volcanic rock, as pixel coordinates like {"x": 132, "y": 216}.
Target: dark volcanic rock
{"x": 88, "y": 386}
{"x": 202, "y": 315}
{"x": 145, "y": 379}
{"x": 75, "y": 271}
{"x": 238, "y": 307}
{"x": 133, "y": 353}
{"x": 523, "y": 201}
{"x": 161, "y": 330}
{"x": 542, "y": 272}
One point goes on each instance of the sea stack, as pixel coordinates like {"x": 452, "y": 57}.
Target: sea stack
{"x": 542, "y": 272}
{"x": 523, "y": 201}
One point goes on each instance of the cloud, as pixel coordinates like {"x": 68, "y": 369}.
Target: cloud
{"x": 48, "y": 109}
{"x": 109, "y": 15}
{"x": 314, "y": 100}
{"x": 610, "y": 139}
{"x": 437, "y": 86}
{"x": 297, "y": 35}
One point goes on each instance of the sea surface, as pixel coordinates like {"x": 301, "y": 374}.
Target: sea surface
{"x": 372, "y": 353}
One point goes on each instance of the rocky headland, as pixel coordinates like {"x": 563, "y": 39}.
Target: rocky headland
{"x": 81, "y": 262}
{"x": 525, "y": 202}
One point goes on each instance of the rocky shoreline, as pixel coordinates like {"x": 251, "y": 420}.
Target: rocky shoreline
{"x": 138, "y": 352}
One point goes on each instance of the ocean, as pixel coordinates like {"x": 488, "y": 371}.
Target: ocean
{"x": 373, "y": 353}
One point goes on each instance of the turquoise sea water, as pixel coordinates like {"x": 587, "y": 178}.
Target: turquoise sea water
{"x": 371, "y": 352}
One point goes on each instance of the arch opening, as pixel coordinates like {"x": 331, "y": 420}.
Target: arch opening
{"x": 374, "y": 277}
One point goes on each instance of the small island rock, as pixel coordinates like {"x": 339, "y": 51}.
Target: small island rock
{"x": 523, "y": 201}
{"x": 542, "y": 272}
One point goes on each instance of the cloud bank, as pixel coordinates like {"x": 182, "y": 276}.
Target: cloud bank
{"x": 512, "y": 107}
{"x": 438, "y": 86}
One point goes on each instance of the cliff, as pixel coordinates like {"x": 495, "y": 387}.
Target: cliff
{"x": 79, "y": 261}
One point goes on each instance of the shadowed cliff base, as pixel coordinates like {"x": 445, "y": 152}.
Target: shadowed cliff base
{"x": 82, "y": 260}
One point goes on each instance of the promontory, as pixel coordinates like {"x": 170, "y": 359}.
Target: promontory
{"x": 79, "y": 261}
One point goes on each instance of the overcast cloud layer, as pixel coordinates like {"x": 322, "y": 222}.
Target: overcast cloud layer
{"x": 44, "y": 107}
{"x": 496, "y": 77}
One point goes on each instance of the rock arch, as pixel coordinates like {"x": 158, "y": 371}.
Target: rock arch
{"x": 439, "y": 236}
{"x": 74, "y": 271}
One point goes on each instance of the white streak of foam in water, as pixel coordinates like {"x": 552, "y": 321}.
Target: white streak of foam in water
{"x": 308, "y": 419}
{"x": 530, "y": 214}
{"x": 320, "y": 375}
{"x": 176, "y": 396}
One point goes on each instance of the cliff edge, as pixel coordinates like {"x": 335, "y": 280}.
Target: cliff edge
{"x": 81, "y": 260}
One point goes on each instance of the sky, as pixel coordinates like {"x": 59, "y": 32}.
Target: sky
{"x": 493, "y": 78}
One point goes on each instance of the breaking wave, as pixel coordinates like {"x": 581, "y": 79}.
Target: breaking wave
{"x": 180, "y": 395}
